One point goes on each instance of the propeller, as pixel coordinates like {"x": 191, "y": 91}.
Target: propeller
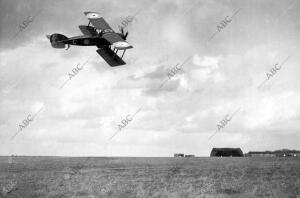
{"x": 124, "y": 36}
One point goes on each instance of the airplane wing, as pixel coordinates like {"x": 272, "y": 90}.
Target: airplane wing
{"x": 107, "y": 32}
{"x": 116, "y": 41}
{"x": 98, "y": 21}
{"x": 88, "y": 30}
{"x": 110, "y": 57}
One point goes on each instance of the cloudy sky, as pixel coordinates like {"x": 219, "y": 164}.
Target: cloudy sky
{"x": 220, "y": 79}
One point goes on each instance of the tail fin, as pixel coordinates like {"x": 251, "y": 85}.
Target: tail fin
{"x": 57, "y": 40}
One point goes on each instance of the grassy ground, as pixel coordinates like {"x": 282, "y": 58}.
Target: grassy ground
{"x": 149, "y": 177}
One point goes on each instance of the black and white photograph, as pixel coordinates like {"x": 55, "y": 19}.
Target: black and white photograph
{"x": 149, "y": 99}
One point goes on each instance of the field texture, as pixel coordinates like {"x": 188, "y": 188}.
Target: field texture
{"x": 149, "y": 177}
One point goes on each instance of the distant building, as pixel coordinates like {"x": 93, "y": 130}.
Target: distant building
{"x": 277, "y": 153}
{"x": 287, "y": 153}
{"x": 178, "y": 155}
{"x": 260, "y": 154}
{"x": 226, "y": 152}
{"x": 189, "y": 156}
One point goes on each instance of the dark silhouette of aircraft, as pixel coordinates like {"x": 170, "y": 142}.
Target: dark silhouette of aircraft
{"x": 101, "y": 35}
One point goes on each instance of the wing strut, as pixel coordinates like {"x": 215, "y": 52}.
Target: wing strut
{"x": 123, "y": 53}
{"x": 116, "y": 53}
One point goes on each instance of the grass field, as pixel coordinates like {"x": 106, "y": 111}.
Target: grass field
{"x": 149, "y": 177}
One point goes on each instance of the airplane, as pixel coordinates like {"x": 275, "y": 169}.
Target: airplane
{"x": 99, "y": 34}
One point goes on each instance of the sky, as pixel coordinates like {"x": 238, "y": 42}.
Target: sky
{"x": 224, "y": 92}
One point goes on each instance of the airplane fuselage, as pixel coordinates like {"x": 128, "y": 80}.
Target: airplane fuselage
{"x": 87, "y": 41}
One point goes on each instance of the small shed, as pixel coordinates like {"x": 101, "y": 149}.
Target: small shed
{"x": 189, "y": 156}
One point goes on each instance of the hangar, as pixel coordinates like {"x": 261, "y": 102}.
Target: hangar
{"x": 226, "y": 152}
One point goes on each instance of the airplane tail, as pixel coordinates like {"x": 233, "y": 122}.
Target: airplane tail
{"x": 57, "y": 40}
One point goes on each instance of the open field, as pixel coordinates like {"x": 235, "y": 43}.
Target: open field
{"x": 149, "y": 177}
